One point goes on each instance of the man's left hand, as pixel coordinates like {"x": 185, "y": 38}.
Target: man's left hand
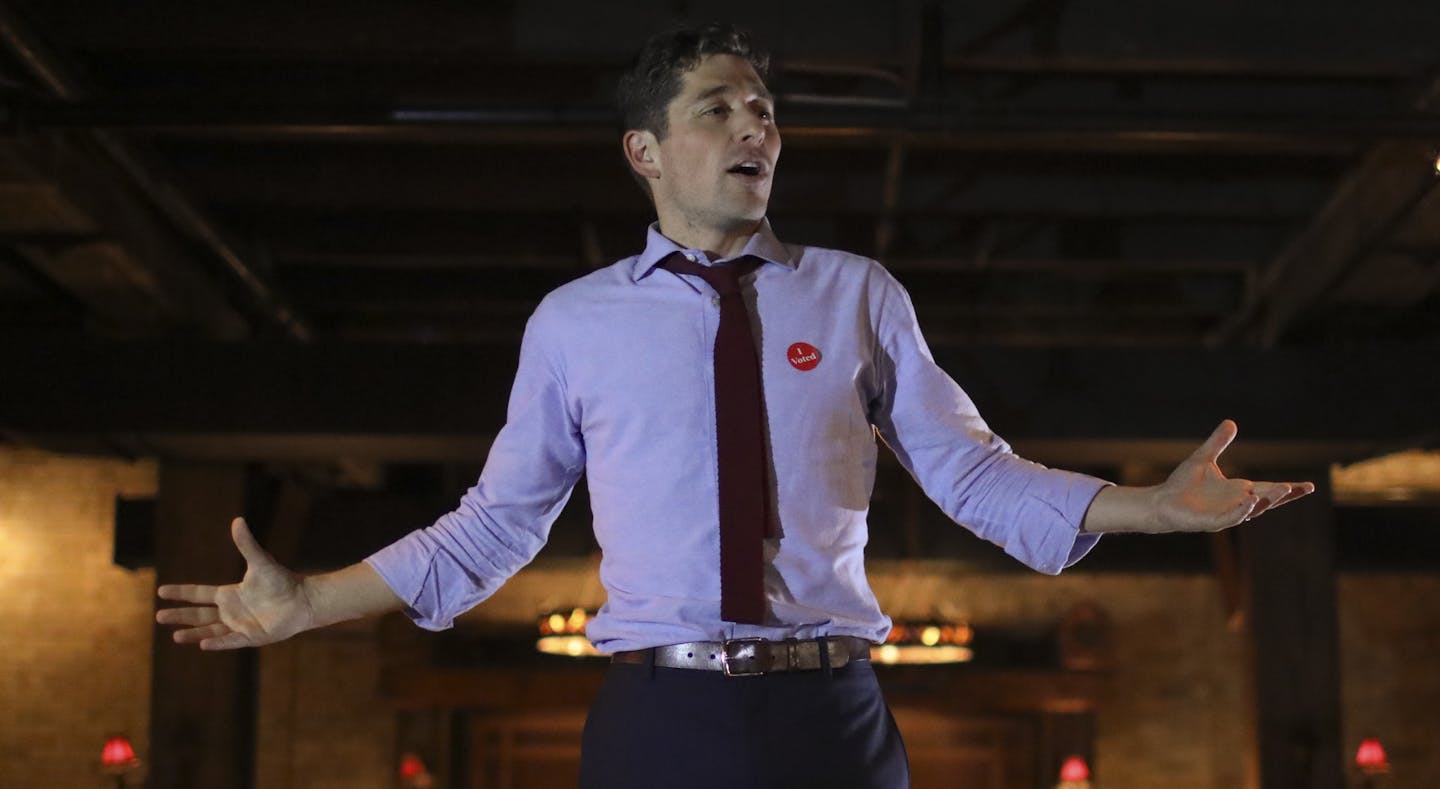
{"x": 1196, "y": 497}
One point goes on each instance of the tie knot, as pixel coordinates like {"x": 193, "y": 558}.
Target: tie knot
{"x": 723, "y": 277}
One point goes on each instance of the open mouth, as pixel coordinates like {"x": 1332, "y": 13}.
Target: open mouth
{"x": 747, "y": 168}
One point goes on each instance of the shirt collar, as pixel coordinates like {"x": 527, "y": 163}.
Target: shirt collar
{"x": 763, "y": 244}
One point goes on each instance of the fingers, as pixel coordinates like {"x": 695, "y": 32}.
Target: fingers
{"x": 1274, "y": 494}
{"x": 246, "y": 542}
{"x": 1266, "y": 495}
{"x": 205, "y": 593}
{"x": 195, "y": 635}
{"x": 188, "y": 616}
{"x": 206, "y": 628}
{"x": 1244, "y": 510}
{"x": 1218, "y": 441}
{"x": 227, "y": 641}
{"x": 1297, "y": 490}
{"x": 188, "y": 593}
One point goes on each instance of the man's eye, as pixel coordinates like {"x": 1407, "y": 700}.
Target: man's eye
{"x": 717, "y": 110}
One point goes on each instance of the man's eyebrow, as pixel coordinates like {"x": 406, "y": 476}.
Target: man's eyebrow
{"x": 711, "y": 92}
{"x": 716, "y": 90}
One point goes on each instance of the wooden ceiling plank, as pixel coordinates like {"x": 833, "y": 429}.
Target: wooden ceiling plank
{"x": 1368, "y": 207}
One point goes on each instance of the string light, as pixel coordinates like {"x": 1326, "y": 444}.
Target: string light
{"x": 925, "y": 642}
{"x": 563, "y": 633}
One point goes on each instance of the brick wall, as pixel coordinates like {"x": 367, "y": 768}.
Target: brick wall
{"x": 1390, "y": 651}
{"x": 1175, "y": 712}
{"x": 76, "y": 634}
{"x": 75, "y": 629}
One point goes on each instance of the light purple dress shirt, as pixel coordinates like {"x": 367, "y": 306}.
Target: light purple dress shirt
{"x": 616, "y": 381}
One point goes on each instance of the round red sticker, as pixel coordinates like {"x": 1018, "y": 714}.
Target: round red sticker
{"x": 803, "y": 356}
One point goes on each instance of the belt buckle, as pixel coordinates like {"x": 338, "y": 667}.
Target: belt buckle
{"x": 740, "y": 644}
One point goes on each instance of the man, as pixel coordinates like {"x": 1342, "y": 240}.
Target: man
{"x": 729, "y": 486}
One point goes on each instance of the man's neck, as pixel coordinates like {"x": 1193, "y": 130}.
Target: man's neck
{"x": 716, "y": 243}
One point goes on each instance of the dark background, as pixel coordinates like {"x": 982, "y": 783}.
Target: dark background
{"x": 307, "y": 236}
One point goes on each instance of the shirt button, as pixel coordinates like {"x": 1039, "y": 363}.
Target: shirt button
{"x": 715, "y": 300}
{"x": 690, "y": 257}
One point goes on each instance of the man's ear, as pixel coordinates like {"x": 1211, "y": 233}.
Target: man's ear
{"x": 642, "y": 152}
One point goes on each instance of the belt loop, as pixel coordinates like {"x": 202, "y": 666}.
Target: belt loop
{"x": 824, "y": 644}
{"x": 650, "y": 661}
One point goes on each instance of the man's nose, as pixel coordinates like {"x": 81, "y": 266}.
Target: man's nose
{"x": 754, "y": 128}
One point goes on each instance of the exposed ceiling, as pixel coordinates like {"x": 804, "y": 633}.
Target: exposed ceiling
{"x": 1220, "y": 195}
{"x": 1039, "y": 173}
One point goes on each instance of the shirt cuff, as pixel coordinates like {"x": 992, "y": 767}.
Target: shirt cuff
{"x": 408, "y": 567}
{"x": 1065, "y": 497}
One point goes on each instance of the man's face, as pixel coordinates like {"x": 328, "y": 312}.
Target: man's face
{"x": 718, "y": 157}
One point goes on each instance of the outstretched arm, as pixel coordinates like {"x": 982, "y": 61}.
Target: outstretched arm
{"x": 1195, "y": 498}
{"x": 271, "y": 603}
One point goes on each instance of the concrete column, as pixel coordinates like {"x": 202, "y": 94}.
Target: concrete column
{"x": 202, "y": 708}
{"x": 1289, "y": 568}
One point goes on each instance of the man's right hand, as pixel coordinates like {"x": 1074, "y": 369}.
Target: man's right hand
{"x": 269, "y": 604}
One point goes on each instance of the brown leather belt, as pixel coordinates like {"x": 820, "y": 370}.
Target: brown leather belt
{"x": 747, "y": 657}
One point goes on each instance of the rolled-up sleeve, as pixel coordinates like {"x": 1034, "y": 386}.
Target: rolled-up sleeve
{"x": 1034, "y": 513}
{"x": 505, "y": 518}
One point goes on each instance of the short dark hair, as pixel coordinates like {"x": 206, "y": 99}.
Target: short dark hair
{"x": 652, "y": 80}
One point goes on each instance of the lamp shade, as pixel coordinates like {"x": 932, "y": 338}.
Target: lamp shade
{"x": 1074, "y": 770}
{"x": 118, "y": 756}
{"x": 411, "y": 766}
{"x": 414, "y": 774}
{"x": 1370, "y": 757}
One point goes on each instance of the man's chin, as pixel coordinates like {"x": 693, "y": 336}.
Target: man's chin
{"x": 752, "y": 211}
{"x": 745, "y": 223}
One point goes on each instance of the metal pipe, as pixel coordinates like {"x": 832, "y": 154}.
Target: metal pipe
{"x": 862, "y": 114}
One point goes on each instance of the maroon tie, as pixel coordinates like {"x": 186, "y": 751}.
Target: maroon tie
{"x": 740, "y": 440}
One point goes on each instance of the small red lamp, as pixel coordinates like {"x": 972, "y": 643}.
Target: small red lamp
{"x": 413, "y": 773}
{"x": 117, "y": 758}
{"x": 1370, "y": 758}
{"x": 1074, "y": 774}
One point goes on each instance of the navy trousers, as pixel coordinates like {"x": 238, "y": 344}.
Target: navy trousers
{"x": 669, "y": 727}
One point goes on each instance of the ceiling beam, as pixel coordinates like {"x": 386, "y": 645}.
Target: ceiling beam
{"x": 1366, "y": 209}
{"x": 59, "y": 80}
{"x": 924, "y": 123}
{"x": 1057, "y": 395}
{"x": 118, "y": 293}
{"x": 155, "y": 263}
